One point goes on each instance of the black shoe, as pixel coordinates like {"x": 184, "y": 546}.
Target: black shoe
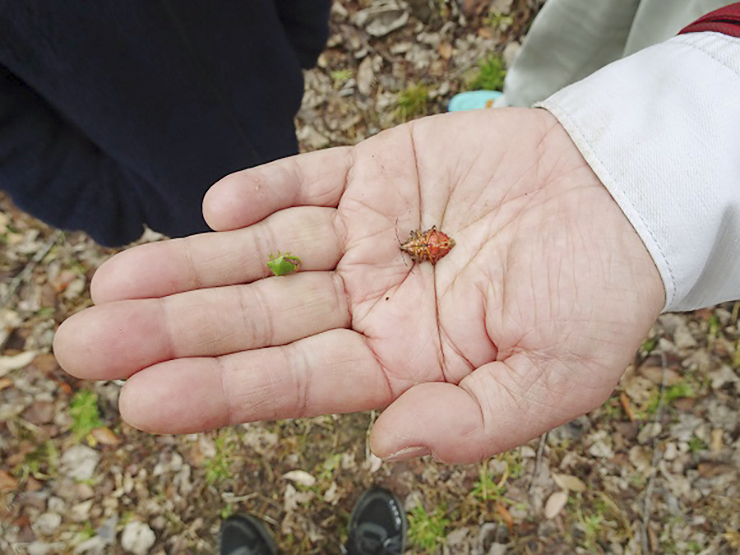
{"x": 377, "y": 525}
{"x": 245, "y": 535}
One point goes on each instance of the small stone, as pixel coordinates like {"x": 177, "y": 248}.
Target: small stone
{"x": 79, "y": 462}
{"x": 107, "y": 530}
{"x": 137, "y": 538}
{"x": 47, "y": 524}
{"x": 671, "y": 451}
{"x": 683, "y": 339}
{"x": 413, "y": 500}
{"x": 84, "y": 491}
{"x": 600, "y": 445}
{"x": 81, "y": 511}
{"x": 41, "y": 548}
{"x": 159, "y": 522}
{"x": 169, "y": 462}
{"x": 56, "y": 505}
{"x": 457, "y": 540}
{"x": 93, "y": 546}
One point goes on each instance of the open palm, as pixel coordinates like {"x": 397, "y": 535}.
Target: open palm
{"x": 528, "y": 322}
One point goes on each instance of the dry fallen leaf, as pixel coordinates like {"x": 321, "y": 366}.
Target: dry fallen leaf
{"x": 716, "y": 441}
{"x": 15, "y": 362}
{"x": 300, "y": 477}
{"x": 372, "y": 464}
{"x": 714, "y": 469}
{"x": 46, "y": 362}
{"x": 293, "y": 498}
{"x": 445, "y": 50}
{"x": 105, "y": 436}
{"x": 627, "y": 406}
{"x": 332, "y": 495}
{"x": 555, "y": 504}
{"x": 733, "y": 538}
{"x": 7, "y": 482}
{"x": 655, "y": 375}
{"x": 569, "y": 483}
{"x": 505, "y": 515}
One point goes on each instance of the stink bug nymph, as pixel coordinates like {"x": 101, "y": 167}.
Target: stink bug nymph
{"x": 431, "y": 245}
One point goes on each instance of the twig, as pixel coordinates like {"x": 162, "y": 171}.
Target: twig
{"x": 654, "y": 464}
{"x": 538, "y": 460}
{"x": 735, "y": 311}
{"x": 373, "y": 417}
{"x": 229, "y": 497}
{"x": 15, "y": 283}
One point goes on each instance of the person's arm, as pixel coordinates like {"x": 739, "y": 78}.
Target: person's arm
{"x": 306, "y": 27}
{"x": 661, "y": 129}
{"x": 52, "y": 170}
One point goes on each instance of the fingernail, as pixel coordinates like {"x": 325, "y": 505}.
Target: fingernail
{"x": 408, "y": 453}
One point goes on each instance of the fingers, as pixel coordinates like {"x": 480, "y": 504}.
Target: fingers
{"x": 329, "y": 373}
{"x": 216, "y": 259}
{"x": 497, "y": 407}
{"x": 243, "y": 198}
{"x": 115, "y": 340}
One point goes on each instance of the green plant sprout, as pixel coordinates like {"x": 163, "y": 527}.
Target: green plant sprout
{"x": 490, "y": 75}
{"x": 218, "y": 467}
{"x": 412, "y": 102}
{"x": 427, "y": 530}
{"x": 283, "y": 264}
{"x": 83, "y": 408}
{"x": 41, "y": 463}
{"x": 339, "y": 76}
{"x": 498, "y": 20}
{"x": 648, "y": 346}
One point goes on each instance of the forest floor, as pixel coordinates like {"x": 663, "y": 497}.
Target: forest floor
{"x": 656, "y": 469}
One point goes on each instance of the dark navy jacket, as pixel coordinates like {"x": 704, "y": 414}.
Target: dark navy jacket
{"x": 118, "y": 114}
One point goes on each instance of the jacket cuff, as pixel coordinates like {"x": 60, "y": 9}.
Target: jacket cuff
{"x": 661, "y": 129}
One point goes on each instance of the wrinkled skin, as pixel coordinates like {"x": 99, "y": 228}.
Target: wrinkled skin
{"x": 527, "y": 323}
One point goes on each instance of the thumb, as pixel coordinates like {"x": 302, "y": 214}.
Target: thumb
{"x": 497, "y": 407}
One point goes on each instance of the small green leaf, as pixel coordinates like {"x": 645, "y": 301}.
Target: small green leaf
{"x": 283, "y": 264}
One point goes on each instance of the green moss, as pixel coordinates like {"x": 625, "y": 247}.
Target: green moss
{"x": 427, "y": 531}
{"x": 83, "y": 408}
{"x": 218, "y": 468}
{"x": 412, "y": 102}
{"x": 490, "y": 75}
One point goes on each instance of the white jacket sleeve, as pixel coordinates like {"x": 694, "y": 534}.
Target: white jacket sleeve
{"x": 661, "y": 129}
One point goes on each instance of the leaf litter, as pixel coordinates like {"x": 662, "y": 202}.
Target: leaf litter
{"x": 654, "y": 469}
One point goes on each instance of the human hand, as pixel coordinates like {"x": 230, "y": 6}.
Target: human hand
{"x": 527, "y": 323}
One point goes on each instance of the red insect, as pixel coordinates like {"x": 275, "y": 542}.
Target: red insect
{"x": 431, "y": 245}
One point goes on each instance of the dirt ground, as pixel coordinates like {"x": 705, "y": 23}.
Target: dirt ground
{"x": 654, "y": 470}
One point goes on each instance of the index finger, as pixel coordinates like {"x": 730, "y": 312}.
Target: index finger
{"x": 218, "y": 259}
{"x": 248, "y": 196}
